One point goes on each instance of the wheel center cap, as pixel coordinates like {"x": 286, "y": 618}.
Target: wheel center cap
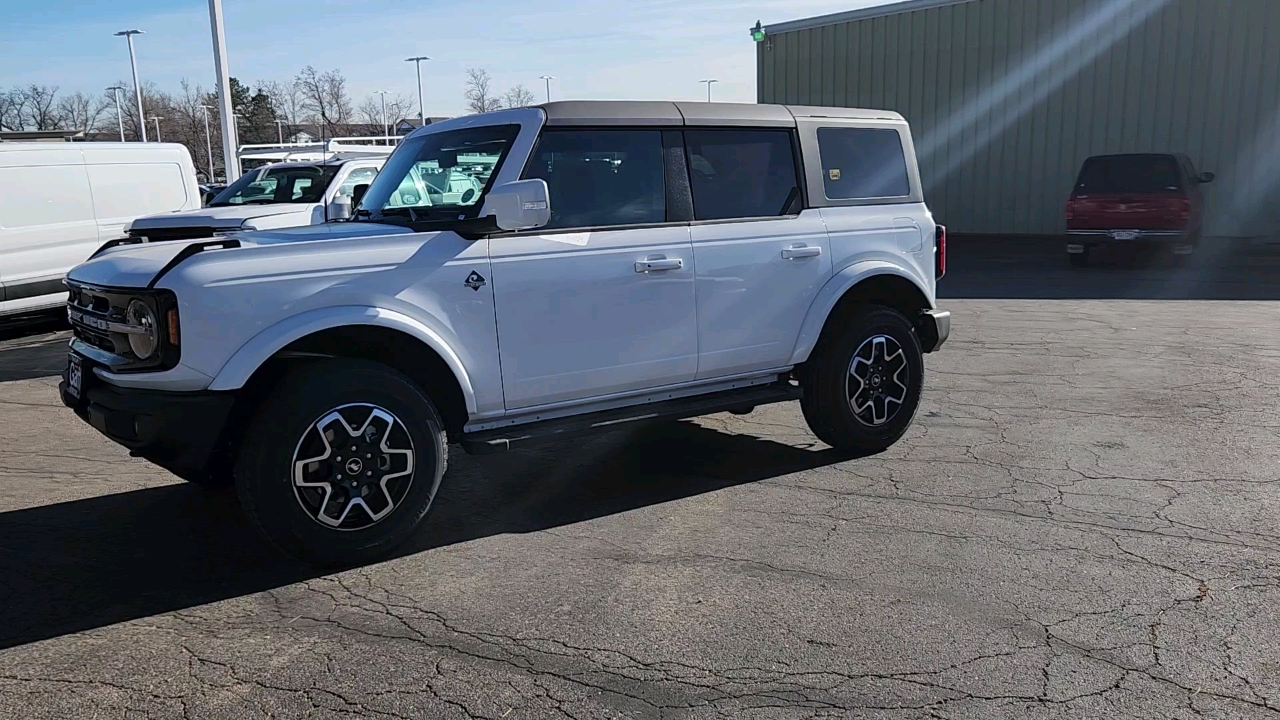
{"x": 875, "y": 380}
{"x": 354, "y": 466}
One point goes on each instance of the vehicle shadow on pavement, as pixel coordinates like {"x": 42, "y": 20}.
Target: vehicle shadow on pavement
{"x": 85, "y": 564}
{"x": 33, "y": 356}
{"x": 1037, "y": 269}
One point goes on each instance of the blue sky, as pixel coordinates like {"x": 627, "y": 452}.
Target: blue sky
{"x": 597, "y": 49}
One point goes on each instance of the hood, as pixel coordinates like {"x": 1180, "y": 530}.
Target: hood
{"x": 226, "y": 217}
{"x": 133, "y": 266}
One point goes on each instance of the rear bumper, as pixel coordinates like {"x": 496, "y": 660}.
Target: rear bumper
{"x": 934, "y": 327}
{"x": 1106, "y": 237}
{"x": 178, "y": 431}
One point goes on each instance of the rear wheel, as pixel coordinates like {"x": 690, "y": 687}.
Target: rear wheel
{"x": 863, "y": 384}
{"x": 342, "y": 462}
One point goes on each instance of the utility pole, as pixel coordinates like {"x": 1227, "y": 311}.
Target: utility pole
{"x": 115, "y": 92}
{"x": 547, "y": 79}
{"x": 157, "y": 121}
{"x": 229, "y": 160}
{"x": 422, "y": 106}
{"x": 137, "y": 88}
{"x": 385, "y": 140}
{"x": 709, "y": 84}
{"x": 208, "y": 142}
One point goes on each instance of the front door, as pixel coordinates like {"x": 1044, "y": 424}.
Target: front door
{"x": 761, "y": 258}
{"x": 601, "y": 301}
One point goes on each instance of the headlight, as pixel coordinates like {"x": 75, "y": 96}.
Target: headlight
{"x": 143, "y": 344}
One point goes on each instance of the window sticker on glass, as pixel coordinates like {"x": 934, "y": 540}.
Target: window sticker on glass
{"x": 834, "y": 173}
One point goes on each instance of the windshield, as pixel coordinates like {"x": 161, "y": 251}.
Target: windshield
{"x": 438, "y": 176}
{"x": 269, "y": 185}
{"x": 1130, "y": 174}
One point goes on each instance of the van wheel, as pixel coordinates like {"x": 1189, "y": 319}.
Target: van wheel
{"x": 863, "y": 385}
{"x": 342, "y": 462}
{"x": 1079, "y": 260}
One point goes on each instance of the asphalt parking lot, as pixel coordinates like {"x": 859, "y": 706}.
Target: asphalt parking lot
{"x": 1084, "y": 522}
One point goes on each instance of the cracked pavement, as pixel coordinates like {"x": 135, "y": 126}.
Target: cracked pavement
{"x": 1084, "y": 522}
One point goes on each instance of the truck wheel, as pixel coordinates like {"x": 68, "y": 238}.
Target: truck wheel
{"x": 342, "y": 462}
{"x": 863, "y": 384}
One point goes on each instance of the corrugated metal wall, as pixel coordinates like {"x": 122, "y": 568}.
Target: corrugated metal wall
{"x": 1006, "y": 98}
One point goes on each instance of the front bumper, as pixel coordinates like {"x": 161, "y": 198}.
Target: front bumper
{"x": 934, "y": 327}
{"x": 178, "y": 431}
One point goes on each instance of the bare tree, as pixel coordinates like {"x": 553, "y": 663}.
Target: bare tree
{"x": 478, "y": 92}
{"x": 518, "y": 97}
{"x": 370, "y": 111}
{"x": 39, "y": 110}
{"x": 10, "y": 110}
{"x": 324, "y": 96}
{"x": 80, "y": 111}
{"x": 286, "y": 98}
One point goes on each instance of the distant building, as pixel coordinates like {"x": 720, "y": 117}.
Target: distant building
{"x": 1006, "y": 98}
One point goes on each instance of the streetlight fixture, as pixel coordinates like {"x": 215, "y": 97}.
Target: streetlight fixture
{"x": 137, "y": 88}
{"x": 547, "y": 79}
{"x": 385, "y": 139}
{"x": 709, "y": 84}
{"x": 422, "y": 107}
{"x": 229, "y": 160}
{"x": 208, "y": 141}
{"x": 115, "y": 92}
{"x": 157, "y": 122}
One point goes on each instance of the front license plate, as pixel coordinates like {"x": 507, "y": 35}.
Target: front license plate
{"x": 1124, "y": 235}
{"x": 75, "y": 373}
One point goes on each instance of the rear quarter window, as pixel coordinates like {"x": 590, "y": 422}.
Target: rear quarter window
{"x": 133, "y": 190}
{"x": 862, "y": 163}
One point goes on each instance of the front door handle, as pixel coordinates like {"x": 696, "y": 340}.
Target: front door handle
{"x": 657, "y": 264}
{"x": 795, "y": 252}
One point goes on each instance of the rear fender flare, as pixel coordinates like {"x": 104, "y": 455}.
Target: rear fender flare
{"x": 237, "y": 370}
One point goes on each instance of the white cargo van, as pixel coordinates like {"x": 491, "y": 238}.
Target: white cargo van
{"x": 60, "y": 201}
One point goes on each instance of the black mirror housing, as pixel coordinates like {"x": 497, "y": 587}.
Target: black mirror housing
{"x": 1205, "y": 177}
{"x": 357, "y": 194}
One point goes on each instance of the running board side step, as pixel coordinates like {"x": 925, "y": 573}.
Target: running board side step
{"x": 500, "y": 440}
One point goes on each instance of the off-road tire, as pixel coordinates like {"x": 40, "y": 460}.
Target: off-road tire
{"x": 269, "y": 475}
{"x": 828, "y": 382}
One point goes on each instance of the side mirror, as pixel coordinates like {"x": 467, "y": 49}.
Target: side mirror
{"x": 520, "y": 205}
{"x": 340, "y": 208}
{"x": 1205, "y": 177}
{"x": 357, "y": 194}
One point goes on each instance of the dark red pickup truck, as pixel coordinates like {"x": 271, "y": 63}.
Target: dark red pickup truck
{"x": 1135, "y": 199}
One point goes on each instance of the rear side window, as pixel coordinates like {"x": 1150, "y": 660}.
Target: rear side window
{"x": 862, "y": 163}
{"x": 742, "y": 173}
{"x": 1130, "y": 174}
{"x": 44, "y": 195}
{"x": 600, "y": 178}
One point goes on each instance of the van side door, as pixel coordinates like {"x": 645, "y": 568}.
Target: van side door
{"x": 761, "y": 255}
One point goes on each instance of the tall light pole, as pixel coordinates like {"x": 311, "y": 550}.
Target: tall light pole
{"x": 157, "y": 121}
{"x": 208, "y": 141}
{"x": 422, "y": 106}
{"x": 547, "y": 79}
{"x": 115, "y": 92}
{"x": 709, "y": 84}
{"x": 385, "y": 139}
{"x": 280, "y": 130}
{"x": 133, "y": 63}
{"x": 229, "y": 161}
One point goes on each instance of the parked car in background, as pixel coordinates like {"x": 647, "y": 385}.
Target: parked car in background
{"x": 60, "y": 201}
{"x": 518, "y": 276}
{"x": 281, "y": 195}
{"x": 210, "y": 191}
{"x": 1136, "y": 200}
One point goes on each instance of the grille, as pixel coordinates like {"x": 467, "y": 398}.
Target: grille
{"x": 84, "y": 307}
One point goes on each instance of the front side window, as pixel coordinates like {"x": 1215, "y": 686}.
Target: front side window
{"x": 269, "y": 185}
{"x": 863, "y": 163}
{"x": 439, "y": 176}
{"x": 601, "y": 178}
{"x": 359, "y": 176}
{"x": 742, "y": 173}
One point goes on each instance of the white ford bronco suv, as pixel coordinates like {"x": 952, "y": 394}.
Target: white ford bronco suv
{"x": 512, "y": 277}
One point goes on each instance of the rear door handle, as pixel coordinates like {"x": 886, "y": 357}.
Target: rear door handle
{"x": 657, "y": 264}
{"x": 795, "y": 252}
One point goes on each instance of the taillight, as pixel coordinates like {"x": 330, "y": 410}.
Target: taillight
{"x": 1071, "y": 209}
{"x": 939, "y": 252}
{"x": 1184, "y": 211}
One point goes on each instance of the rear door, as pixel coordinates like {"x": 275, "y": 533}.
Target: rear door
{"x": 125, "y": 191}
{"x": 761, "y": 256}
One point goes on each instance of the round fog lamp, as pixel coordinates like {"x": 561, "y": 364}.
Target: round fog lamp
{"x": 142, "y": 344}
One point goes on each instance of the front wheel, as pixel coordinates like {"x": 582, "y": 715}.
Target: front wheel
{"x": 342, "y": 462}
{"x": 863, "y": 384}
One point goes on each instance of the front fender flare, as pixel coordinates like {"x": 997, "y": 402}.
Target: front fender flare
{"x": 237, "y": 370}
{"x": 834, "y": 289}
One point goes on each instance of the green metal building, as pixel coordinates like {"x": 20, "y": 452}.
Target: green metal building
{"x": 1007, "y": 98}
